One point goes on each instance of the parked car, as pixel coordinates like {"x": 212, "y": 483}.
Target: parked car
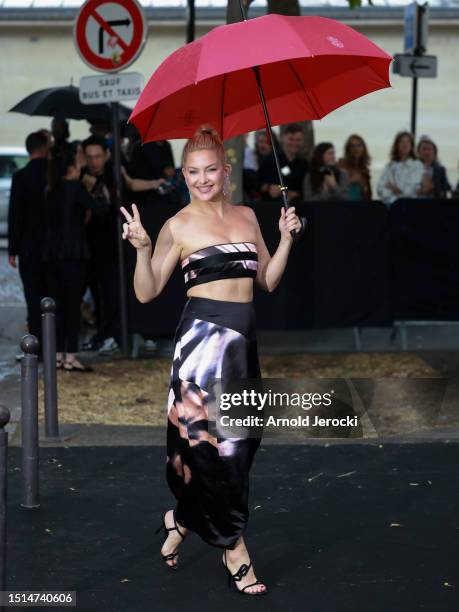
{"x": 11, "y": 159}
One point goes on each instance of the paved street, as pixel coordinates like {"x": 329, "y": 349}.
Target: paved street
{"x": 358, "y": 527}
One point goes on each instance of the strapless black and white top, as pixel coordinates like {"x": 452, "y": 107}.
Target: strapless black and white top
{"x": 227, "y": 260}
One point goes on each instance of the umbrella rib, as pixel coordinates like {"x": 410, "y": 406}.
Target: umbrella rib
{"x": 152, "y": 118}
{"x": 304, "y": 89}
{"x": 222, "y": 103}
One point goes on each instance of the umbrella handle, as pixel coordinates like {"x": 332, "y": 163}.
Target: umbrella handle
{"x": 295, "y": 235}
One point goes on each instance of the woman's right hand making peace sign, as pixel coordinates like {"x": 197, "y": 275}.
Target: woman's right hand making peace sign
{"x": 133, "y": 230}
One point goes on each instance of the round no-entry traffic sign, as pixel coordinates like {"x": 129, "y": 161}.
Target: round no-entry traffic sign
{"x": 109, "y": 34}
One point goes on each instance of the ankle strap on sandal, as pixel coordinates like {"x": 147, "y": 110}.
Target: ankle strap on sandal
{"x": 176, "y": 527}
{"x": 241, "y": 572}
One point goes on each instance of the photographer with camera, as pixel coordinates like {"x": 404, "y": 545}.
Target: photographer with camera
{"x": 151, "y": 173}
{"x": 325, "y": 181}
{"x": 102, "y": 277}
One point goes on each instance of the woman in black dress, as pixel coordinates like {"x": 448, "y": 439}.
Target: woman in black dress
{"x": 221, "y": 252}
{"x": 65, "y": 249}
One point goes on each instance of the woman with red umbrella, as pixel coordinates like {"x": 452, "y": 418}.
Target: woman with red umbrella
{"x": 222, "y": 253}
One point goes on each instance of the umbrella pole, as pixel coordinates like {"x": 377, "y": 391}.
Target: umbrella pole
{"x": 282, "y": 187}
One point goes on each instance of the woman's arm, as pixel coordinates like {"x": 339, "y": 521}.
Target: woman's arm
{"x": 343, "y": 184}
{"x": 151, "y": 272}
{"x": 412, "y": 179}
{"x": 336, "y": 186}
{"x": 270, "y": 269}
{"x": 386, "y": 194}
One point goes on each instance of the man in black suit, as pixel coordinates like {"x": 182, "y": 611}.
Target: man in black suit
{"x": 25, "y": 227}
{"x": 292, "y": 165}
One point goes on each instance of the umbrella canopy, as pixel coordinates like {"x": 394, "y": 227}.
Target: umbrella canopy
{"x": 64, "y": 103}
{"x": 307, "y": 67}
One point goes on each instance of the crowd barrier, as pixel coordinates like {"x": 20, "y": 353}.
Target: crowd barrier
{"x": 424, "y": 246}
{"x": 357, "y": 264}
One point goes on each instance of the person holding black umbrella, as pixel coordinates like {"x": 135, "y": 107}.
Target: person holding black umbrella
{"x": 222, "y": 253}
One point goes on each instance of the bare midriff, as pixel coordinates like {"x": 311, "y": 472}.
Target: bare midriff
{"x": 225, "y": 289}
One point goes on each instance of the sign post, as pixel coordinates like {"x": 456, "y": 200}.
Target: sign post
{"x": 413, "y": 63}
{"x": 109, "y": 35}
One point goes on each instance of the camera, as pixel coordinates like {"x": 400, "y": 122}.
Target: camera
{"x": 165, "y": 188}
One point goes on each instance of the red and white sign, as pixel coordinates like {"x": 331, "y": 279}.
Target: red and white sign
{"x": 110, "y": 34}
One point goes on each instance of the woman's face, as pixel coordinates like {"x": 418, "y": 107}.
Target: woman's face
{"x": 205, "y": 175}
{"x": 356, "y": 148}
{"x": 404, "y": 146}
{"x": 329, "y": 157}
{"x": 426, "y": 152}
{"x": 262, "y": 144}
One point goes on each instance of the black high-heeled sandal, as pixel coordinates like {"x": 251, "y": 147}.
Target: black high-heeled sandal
{"x": 172, "y": 555}
{"x": 239, "y": 575}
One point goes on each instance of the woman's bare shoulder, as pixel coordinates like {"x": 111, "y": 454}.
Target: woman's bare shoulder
{"x": 245, "y": 210}
{"x": 178, "y": 224}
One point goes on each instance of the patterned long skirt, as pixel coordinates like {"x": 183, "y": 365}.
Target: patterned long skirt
{"x": 209, "y": 474}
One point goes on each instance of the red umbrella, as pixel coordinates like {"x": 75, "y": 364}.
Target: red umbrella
{"x": 308, "y": 67}
{"x": 265, "y": 71}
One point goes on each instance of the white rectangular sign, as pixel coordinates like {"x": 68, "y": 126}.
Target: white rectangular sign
{"x": 104, "y": 88}
{"x": 423, "y": 66}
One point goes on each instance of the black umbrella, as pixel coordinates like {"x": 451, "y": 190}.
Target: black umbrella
{"x": 64, "y": 103}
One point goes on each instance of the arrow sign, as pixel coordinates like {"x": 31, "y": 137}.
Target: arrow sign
{"x": 112, "y": 42}
{"x": 424, "y": 66}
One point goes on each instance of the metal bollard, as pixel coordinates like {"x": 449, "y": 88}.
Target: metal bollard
{"x": 4, "y": 420}
{"x": 48, "y": 319}
{"x": 29, "y": 421}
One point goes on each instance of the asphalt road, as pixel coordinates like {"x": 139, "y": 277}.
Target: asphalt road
{"x": 354, "y": 528}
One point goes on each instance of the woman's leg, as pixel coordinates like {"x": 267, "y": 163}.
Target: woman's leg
{"x": 234, "y": 559}
{"x": 54, "y": 290}
{"x": 73, "y": 274}
{"x": 174, "y": 539}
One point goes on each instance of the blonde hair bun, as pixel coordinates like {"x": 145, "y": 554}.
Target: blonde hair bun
{"x": 206, "y": 128}
{"x": 205, "y": 137}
